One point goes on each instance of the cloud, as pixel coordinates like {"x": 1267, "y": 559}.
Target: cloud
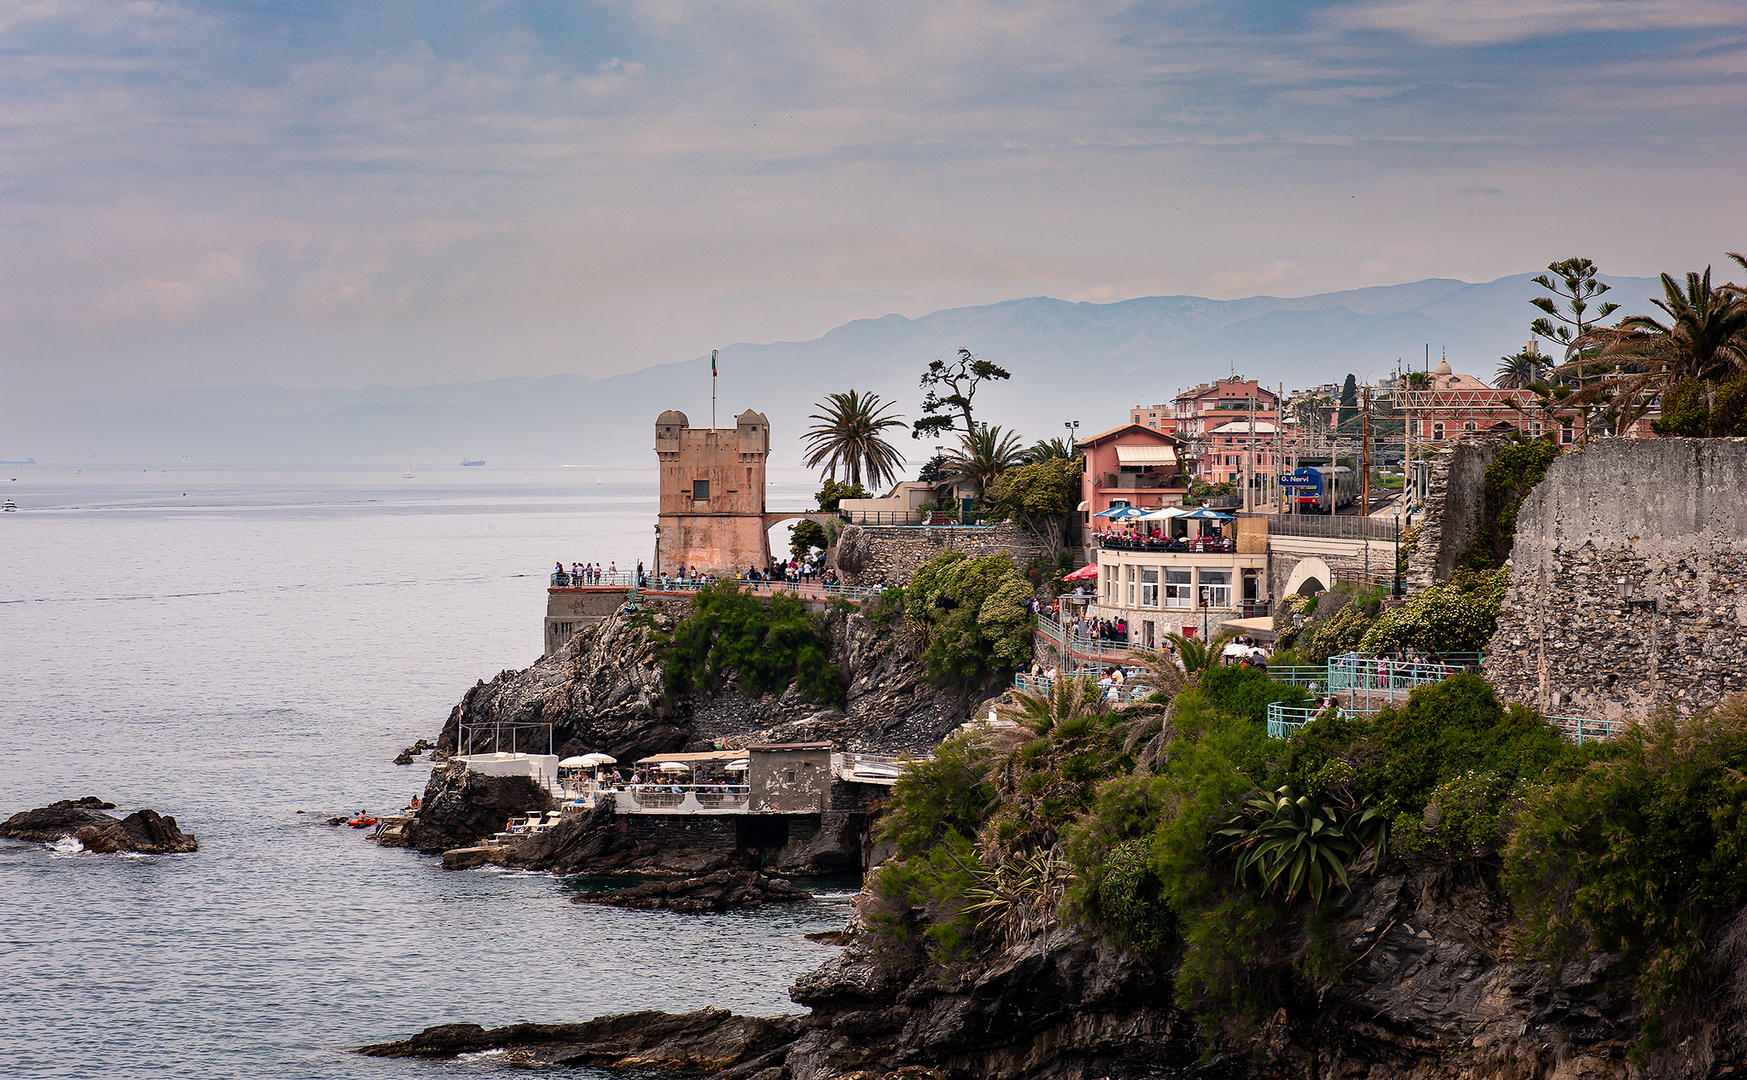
{"x": 1498, "y": 22}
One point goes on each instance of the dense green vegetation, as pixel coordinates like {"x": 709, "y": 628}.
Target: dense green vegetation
{"x": 969, "y": 617}
{"x": 765, "y": 643}
{"x": 1515, "y": 470}
{"x": 1221, "y": 855}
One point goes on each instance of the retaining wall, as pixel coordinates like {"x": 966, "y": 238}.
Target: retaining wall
{"x": 1628, "y": 581}
{"x": 889, "y": 555}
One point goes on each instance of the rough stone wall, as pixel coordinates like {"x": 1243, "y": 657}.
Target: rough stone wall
{"x": 889, "y": 554}
{"x": 1628, "y": 581}
{"x": 1455, "y": 511}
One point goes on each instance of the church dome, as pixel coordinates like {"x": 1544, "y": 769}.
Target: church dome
{"x": 1443, "y": 368}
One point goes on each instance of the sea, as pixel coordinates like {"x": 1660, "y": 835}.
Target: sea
{"x": 247, "y": 649}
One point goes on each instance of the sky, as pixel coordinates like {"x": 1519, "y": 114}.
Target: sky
{"x": 342, "y": 194}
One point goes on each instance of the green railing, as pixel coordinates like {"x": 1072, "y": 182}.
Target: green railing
{"x": 918, "y": 518}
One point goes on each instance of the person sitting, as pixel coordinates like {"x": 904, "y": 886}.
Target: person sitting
{"x": 413, "y": 804}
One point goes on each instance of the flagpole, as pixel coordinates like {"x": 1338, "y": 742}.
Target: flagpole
{"x": 712, "y": 389}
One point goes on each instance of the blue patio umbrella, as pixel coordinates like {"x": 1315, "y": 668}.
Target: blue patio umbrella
{"x": 1206, "y": 514}
{"x": 1119, "y": 513}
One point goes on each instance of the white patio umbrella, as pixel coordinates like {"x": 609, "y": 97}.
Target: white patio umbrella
{"x": 1165, "y": 514}
{"x": 577, "y": 762}
{"x": 599, "y": 759}
{"x": 674, "y": 767}
{"x": 738, "y": 766}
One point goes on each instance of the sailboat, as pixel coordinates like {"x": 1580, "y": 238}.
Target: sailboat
{"x": 407, "y": 475}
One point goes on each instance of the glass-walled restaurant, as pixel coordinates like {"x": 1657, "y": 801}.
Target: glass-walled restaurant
{"x": 1164, "y": 592}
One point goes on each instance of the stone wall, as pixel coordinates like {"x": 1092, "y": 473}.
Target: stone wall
{"x": 1455, "y": 511}
{"x": 1628, "y": 581}
{"x": 890, "y": 554}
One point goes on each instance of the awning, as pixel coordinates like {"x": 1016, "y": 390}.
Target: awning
{"x": 1085, "y": 505}
{"x": 1146, "y": 455}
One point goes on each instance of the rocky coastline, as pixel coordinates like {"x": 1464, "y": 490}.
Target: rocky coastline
{"x": 144, "y": 832}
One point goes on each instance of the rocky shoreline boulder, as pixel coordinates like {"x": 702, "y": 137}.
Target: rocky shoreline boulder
{"x": 706, "y": 1041}
{"x": 143, "y": 831}
{"x": 46, "y": 824}
{"x": 719, "y": 891}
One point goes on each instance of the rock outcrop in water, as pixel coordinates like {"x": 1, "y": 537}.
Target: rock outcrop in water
{"x": 706, "y": 1041}
{"x": 461, "y": 808}
{"x": 143, "y": 831}
{"x": 46, "y": 824}
{"x": 720, "y": 891}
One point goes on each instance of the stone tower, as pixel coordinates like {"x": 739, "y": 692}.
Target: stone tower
{"x": 712, "y": 495}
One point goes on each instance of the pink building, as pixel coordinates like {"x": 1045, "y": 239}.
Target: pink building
{"x": 1130, "y": 465}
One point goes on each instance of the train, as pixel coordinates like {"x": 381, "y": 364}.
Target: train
{"x": 1335, "y": 488}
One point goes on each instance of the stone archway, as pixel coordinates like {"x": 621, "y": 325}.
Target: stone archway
{"x": 1309, "y": 577}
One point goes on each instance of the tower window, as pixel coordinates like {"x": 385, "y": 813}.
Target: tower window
{"x": 701, "y": 490}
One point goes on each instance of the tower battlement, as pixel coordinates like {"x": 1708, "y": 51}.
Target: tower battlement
{"x": 711, "y": 518}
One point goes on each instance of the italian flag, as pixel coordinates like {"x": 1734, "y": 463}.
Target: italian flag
{"x": 712, "y": 363}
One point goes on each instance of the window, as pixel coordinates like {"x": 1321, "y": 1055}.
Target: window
{"x": 1131, "y": 585}
{"x": 1216, "y": 588}
{"x": 1149, "y": 586}
{"x": 1179, "y": 593}
{"x": 701, "y": 490}
{"x": 1437, "y": 432}
{"x": 1468, "y": 427}
{"x": 1565, "y": 436}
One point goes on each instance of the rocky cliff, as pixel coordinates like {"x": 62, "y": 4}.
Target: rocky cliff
{"x": 1423, "y": 987}
{"x": 604, "y": 693}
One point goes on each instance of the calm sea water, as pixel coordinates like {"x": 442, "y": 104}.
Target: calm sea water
{"x": 247, "y": 650}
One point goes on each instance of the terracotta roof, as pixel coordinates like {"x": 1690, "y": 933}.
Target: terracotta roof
{"x": 1104, "y": 436}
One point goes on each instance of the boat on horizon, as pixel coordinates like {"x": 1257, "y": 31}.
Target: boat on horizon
{"x": 8, "y": 506}
{"x": 464, "y": 461}
{"x": 407, "y": 475}
{"x": 26, "y": 461}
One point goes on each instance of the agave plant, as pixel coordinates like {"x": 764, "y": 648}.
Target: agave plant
{"x": 1018, "y": 896}
{"x": 1294, "y": 843}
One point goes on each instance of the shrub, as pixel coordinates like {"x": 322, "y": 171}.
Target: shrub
{"x": 969, "y": 617}
{"x": 1458, "y": 615}
{"x": 767, "y": 645}
{"x": 1247, "y": 692}
{"x": 1639, "y": 847}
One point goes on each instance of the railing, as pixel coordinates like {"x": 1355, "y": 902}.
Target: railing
{"x": 1310, "y": 676}
{"x": 1352, "y": 673}
{"x": 1581, "y": 729}
{"x": 919, "y": 518}
{"x": 1120, "y": 694}
{"x": 1331, "y": 526}
{"x": 596, "y": 579}
{"x": 1216, "y": 545}
{"x": 805, "y": 589}
{"x": 1284, "y": 719}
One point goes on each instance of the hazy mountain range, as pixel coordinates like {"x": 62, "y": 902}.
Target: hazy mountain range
{"x": 1069, "y": 361}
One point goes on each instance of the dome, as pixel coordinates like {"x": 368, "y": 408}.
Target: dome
{"x": 672, "y": 417}
{"x": 1443, "y": 368}
{"x": 749, "y": 417}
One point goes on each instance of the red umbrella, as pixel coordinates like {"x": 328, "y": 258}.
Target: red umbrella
{"x": 1084, "y": 573}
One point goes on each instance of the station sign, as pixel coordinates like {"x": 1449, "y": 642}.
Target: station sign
{"x": 1304, "y": 478}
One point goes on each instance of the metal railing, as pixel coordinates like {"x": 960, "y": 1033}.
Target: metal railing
{"x": 1284, "y": 719}
{"x": 595, "y": 579}
{"x": 919, "y": 518}
{"x": 1211, "y": 546}
{"x": 1351, "y": 673}
{"x": 1581, "y": 729}
{"x": 1310, "y": 676}
{"x": 1125, "y": 693}
{"x": 1336, "y": 526}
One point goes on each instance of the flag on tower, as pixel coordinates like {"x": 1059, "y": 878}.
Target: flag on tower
{"x": 712, "y": 363}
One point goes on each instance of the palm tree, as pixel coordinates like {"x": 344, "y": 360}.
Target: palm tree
{"x": 1148, "y": 730}
{"x": 983, "y": 456}
{"x": 1048, "y": 449}
{"x": 849, "y": 436}
{"x": 1519, "y": 371}
{"x": 1704, "y": 340}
